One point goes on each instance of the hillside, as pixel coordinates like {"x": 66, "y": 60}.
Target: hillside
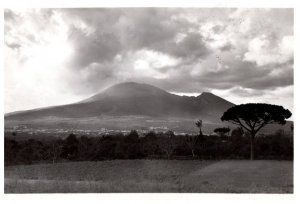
{"x": 134, "y": 99}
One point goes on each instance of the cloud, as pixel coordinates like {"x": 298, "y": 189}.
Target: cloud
{"x": 100, "y": 47}
{"x": 265, "y": 50}
{"x": 187, "y": 50}
{"x": 192, "y": 46}
{"x": 227, "y": 47}
{"x": 262, "y": 96}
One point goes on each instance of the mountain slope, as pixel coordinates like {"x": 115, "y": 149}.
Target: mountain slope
{"x": 134, "y": 99}
{"x": 128, "y": 90}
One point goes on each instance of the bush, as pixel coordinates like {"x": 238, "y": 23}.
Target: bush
{"x": 153, "y": 145}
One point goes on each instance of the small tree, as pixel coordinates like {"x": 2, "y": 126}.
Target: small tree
{"x": 70, "y": 147}
{"x": 199, "y": 125}
{"x": 150, "y": 142}
{"x": 132, "y": 136}
{"x": 191, "y": 142}
{"x": 252, "y": 117}
{"x": 167, "y": 143}
{"x": 55, "y": 151}
{"x": 222, "y": 131}
{"x": 196, "y": 140}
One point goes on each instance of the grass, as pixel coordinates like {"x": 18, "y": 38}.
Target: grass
{"x": 152, "y": 176}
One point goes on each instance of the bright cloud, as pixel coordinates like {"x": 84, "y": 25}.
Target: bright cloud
{"x": 263, "y": 51}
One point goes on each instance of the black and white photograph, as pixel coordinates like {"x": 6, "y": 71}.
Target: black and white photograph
{"x": 148, "y": 100}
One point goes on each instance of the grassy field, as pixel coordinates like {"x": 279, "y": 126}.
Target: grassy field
{"x": 152, "y": 176}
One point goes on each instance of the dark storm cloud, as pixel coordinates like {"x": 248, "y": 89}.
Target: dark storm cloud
{"x": 109, "y": 33}
{"x": 149, "y": 27}
{"x": 238, "y": 73}
{"x": 269, "y": 81}
{"x": 117, "y": 30}
{"x": 107, "y": 44}
{"x": 218, "y": 29}
{"x": 191, "y": 46}
{"x": 227, "y": 47}
{"x": 250, "y": 77}
{"x": 100, "y": 47}
{"x": 93, "y": 78}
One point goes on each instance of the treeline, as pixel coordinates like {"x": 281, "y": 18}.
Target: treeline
{"x": 150, "y": 146}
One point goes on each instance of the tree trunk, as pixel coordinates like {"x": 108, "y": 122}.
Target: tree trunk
{"x": 200, "y": 132}
{"x": 193, "y": 153}
{"x": 252, "y": 146}
{"x": 168, "y": 154}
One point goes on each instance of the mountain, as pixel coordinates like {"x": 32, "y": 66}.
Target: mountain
{"x": 134, "y": 99}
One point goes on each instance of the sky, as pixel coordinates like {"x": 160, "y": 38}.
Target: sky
{"x": 61, "y": 56}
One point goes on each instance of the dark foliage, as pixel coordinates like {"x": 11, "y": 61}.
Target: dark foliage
{"x": 253, "y": 116}
{"x": 258, "y": 113}
{"x": 222, "y": 132}
{"x": 70, "y": 147}
{"x": 149, "y": 146}
{"x": 199, "y": 125}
